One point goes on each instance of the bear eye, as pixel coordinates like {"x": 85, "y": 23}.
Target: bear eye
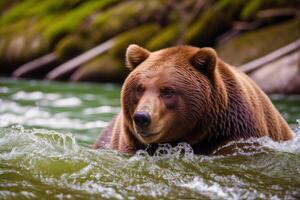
{"x": 166, "y": 92}
{"x": 140, "y": 89}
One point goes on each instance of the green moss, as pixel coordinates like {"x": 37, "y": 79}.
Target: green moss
{"x": 123, "y": 17}
{"x": 166, "y": 37}
{"x": 252, "y": 7}
{"x": 35, "y": 9}
{"x": 16, "y": 12}
{"x": 71, "y": 21}
{"x": 70, "y": 47}
{"x": 111, "y": 66}
{"x": 19, "y": 44}
{"x": 255, "y": 44}
{"x": 6, "y": 4}
{"x": 22, "y": 27}
{"x": 213, "y": 22}
{"x": 3, "y": 4}
{"x": 44, "y": 26}
{"x": 50, "y": 7}
{"x": 139, "y": 36}
{"x": 104, "y": 68}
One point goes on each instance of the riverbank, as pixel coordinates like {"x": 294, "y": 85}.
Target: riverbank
{"x": 86, "y": 40}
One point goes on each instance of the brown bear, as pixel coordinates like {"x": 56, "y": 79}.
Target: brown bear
{"x": 188, "y": 94}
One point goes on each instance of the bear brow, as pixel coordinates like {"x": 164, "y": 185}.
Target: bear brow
{"x": 149, "y": 72}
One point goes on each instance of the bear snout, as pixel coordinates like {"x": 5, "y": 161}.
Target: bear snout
{"x": 142, "y": 119}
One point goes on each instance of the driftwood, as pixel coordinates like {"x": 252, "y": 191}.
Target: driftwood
{"x": 273, "y": 78}
{"x": 258, "y": 63}
{"x": 34, "y": 65}
{"x": 283, "y": 12}
{"x": 263, "y": 18}
{"x": 79, "y": 60}
{"x": 238, "y": 28}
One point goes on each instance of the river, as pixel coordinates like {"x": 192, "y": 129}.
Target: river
{"x": 47, "y": 128}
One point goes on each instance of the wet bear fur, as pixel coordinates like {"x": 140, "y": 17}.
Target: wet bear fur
{"x": 191, "y": 96}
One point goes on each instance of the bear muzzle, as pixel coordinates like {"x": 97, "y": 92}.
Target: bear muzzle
{"x": 142, "y": 121}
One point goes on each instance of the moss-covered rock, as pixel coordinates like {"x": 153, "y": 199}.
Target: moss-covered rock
{"x": 165, "y": 38}
{"x": 107, "y": 24}
{"x": 213, "y": 22}
{"x": 111, "y": 66}
{"x": 20, "y": 44}
{"x": 252, "y": 7}
{"x": 21, "y": 31}
{"x": 252, "y": 45}
{"x": 104, "y": 68}
{"x": 123, "y": 17}
{"x": 31, "y": 28}
{"x": 35, "y": 9}
{"x": 7, "y": 4}
{"x": 67, "y": 23}
{"x": 70, "y": 47}
{"x": 139, "y": 36}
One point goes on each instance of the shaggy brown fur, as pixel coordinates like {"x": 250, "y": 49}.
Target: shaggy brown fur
{"x": 192, "y": 96}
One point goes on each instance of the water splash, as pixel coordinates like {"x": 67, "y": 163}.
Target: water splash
{"x": 16, "y": 141}
{"x": 32, "y": 159}
{"x": 262, "y": 145}
{"x": 291, "y": 146}
{"x": 49, "y": 164}
{"x": 166, "y": 150}
{"x": 13, "y": 113}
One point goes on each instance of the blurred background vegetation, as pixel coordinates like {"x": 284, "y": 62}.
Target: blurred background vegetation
{"x": 38, "y": 39}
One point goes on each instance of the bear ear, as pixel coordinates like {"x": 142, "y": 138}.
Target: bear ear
{"x": 135, "y": 55}
{"x": 205, "y": 61}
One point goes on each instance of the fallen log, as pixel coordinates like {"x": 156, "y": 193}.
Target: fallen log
{"x": 260, "y": 62}
{"x": 34, "y": 65}
{"x": 238, "y": 28}
{"x": 274, "y": 78}
{"x": 282, "y": 12}
{"x": 79, "y": 60}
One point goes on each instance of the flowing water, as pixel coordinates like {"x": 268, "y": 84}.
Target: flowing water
{"x": 46, "y": 129}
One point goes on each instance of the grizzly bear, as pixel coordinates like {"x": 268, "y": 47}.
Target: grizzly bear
{"x": 188, "y": 94}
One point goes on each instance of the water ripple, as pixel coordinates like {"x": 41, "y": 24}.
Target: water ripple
{"x": 39, "y": 157}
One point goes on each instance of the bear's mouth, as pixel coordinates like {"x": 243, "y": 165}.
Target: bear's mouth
{"x": 146, "y": 134}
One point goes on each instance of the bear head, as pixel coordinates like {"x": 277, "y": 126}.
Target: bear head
{"x": 168, "y": 96}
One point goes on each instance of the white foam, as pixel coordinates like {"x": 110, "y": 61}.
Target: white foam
{"x": 101, "y": 109}
{"x": 4, "y": 90}
{"x": 13, "y": 113}
{"x": 291, "y": 146}
{"x": 213, "y": 190}
{"x": 66, "y": 102}
{"x": 35, "y": 118}
{"x": 92, "y": 187}
{"x": 15, "y": 141}
{"x": 182, "y": 150}
{"x": 34, "y": 96}
{"x": 9, "y": 106}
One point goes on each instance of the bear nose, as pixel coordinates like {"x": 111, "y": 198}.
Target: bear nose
{"x": 142, "y": 119}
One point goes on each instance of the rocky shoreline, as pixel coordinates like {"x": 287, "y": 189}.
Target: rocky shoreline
{"x": 55, "y": 39}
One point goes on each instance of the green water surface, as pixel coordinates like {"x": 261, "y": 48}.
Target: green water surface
{"x": 47, "y": 128}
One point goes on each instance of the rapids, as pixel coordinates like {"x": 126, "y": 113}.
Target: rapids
{"x": 46, "y": 129}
